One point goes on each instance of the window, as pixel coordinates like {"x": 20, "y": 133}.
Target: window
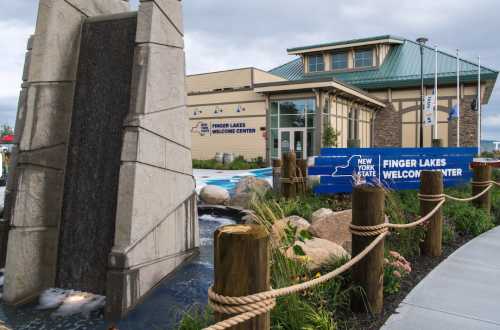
{"x": 353, "y": 120}
{"x": 316, "y": 63}
{"x": 363, "y": 58}
{"x": 339, "y": 61}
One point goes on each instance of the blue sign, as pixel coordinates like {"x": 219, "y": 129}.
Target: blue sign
{"x": 395, "y": 168}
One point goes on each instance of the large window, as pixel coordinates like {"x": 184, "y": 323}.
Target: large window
{"x": 316, "y": 63}
{"x": 292, "y": 114}
{"x": 363, "y": 58}
{"x": 339, "y": 61}
{"x": 353, "y": 129}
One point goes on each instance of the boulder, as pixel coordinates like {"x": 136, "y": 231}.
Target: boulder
{"x": 333, "y": 226}
{"x": 250, "y": 218}
{"x": 319, "y": 214}
{"x": 248, "y": 184}
{"x": 246, "y": 189}
{"x": 319, "y": 252}
{"x": 278, "y": 228}
{"x": 214, "y": 195}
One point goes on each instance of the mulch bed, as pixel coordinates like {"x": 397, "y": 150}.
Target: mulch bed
{"x": 421, "y": 266}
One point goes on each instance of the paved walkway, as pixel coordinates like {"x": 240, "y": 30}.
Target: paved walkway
{"x": 463, "y": 292}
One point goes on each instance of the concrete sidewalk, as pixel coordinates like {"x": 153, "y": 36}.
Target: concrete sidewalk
{"x": 463, "y": 292}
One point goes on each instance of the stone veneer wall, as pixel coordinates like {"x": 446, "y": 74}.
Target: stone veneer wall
{"x": 156, "y": 222}
{"x": 34, "y": 192}
{"x": 387, "y": 127}
{"x": 468, "y": 125}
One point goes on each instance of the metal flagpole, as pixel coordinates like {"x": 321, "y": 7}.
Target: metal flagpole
{"x": 436, "y": 95}
{"x": 479, "y": 106}
{"x": 458, "y": 100}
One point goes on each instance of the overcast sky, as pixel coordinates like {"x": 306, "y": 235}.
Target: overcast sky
{"x": 223, "y": 34}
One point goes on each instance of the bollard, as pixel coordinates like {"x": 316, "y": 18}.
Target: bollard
{"x": 241, "y": 261}
{"x": 431, "y": 183}
{"x": 482, "y": 173}
{"x": 288, "y": 171}
{"x": 276, "y": 175}
{"x": 368, "y": 210}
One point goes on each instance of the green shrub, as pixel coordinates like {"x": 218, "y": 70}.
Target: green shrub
{"x": 239, "y": 163}
{"x": 403, "y": 207}
{"x": 448, "y": 233}
{"x": 467, "y": 219}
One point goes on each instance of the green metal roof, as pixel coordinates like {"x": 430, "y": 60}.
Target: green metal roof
{"x": 401, "y": 68}
{"x": 346, "y": 42}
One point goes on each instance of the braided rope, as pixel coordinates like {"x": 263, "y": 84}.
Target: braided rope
{"x": 487, "y": 184}
{"x": 251, "y": 306}
{"x": 267, "y": 298}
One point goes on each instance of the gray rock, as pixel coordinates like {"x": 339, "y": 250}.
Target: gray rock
{"x": 320, "y": 214}
{"x": 214, "y": 195}
{"x": 333, "y": 226}
{"x": 319, "y": 252}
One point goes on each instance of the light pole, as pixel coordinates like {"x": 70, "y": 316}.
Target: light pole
{"x": 421, "y": 41}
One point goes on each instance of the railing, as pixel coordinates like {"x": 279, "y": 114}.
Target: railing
{"x": 241, "y": 295}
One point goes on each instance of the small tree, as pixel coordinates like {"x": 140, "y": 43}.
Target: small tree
{"x": 330, "y": 137}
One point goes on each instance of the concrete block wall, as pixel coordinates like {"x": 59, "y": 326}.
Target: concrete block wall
{"x": 35, "y": 187}
{"x": 156, "y": 222}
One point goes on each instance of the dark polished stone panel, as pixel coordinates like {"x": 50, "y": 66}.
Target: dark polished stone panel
{"x": 101, "y": 103}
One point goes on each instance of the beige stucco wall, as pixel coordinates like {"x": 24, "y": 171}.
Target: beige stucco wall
{"x": 207, "y": 82}
{"x": 210, "y": 110}
{"x": 339, "y": 121}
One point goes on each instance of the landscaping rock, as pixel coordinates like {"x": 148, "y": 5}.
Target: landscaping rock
{"x": 248, "y": 184}
{"x": 246, "y": 189}
{"x": 320, "y": 214}
{"x": 214, "y": 195}
{"x": 333, "y": 226}
{"x": 278, "y": 229}
{"x": 250, "y": 218}
{"x": 319, "y": 252}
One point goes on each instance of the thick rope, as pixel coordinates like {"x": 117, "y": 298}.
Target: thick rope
{"x": 251, "y": 306}
{"x": 487, "y": 184}
{"x": 267, "y": 298}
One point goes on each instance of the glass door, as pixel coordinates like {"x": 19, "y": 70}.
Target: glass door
{"x": 293, "y": 139}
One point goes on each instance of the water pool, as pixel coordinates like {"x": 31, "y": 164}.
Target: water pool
{"x": 160, "y": 310}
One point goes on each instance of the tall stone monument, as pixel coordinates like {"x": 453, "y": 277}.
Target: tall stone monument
{"x": 101, "y": 198}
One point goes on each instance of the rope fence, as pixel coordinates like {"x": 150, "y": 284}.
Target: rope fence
{"x": 247, "y": 307}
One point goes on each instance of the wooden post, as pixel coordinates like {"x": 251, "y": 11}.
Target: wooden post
{"x": 368, "y": 210}
{"x": 482, "y": 173}
{"x": 431, "y": 183}
{"x": 241, "y": 261}
{"x": 301, "y": 187}
{"x": 276, "y": 175}
{"x": 288, "y": 171}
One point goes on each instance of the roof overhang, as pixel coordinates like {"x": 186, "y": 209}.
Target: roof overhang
{"x": 342, "y": 45}
{"x": 335, "y": 85}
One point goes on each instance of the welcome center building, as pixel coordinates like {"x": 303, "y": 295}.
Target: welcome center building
{"x": 367, "y": 90}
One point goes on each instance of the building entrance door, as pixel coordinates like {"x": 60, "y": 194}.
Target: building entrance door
{"x": 293, "y": 139}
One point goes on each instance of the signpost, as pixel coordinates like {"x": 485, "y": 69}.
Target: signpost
{"x": 394, "y": 168}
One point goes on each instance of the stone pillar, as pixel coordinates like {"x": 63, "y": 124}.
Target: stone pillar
{"x": 34, "y": 194}
{"x": 156, "y": 223}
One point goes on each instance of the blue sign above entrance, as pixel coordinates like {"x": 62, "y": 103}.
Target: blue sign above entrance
{"x": 395, "y": 168}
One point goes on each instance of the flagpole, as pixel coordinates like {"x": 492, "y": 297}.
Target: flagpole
{"x": 458, "y": 99}
{"x": 479, "y": 106}
{"x": 436, "y": 95}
